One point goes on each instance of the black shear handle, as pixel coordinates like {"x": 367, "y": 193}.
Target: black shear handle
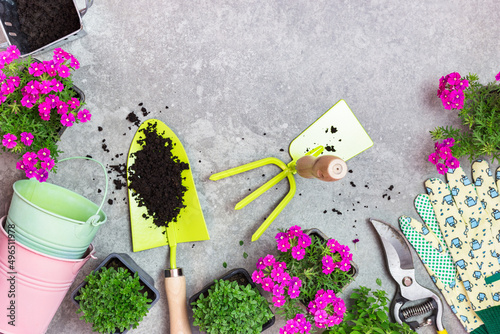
{"x": 401, "y": 314}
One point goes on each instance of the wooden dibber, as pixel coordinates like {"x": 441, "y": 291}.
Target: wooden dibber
{"x": 325, "y": 168}
{"x": 175, "y": 287}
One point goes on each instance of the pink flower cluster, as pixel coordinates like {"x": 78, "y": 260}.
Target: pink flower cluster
{"x": 295, "y": 239}
{"x": 273, "y": 277}
{"x": 298, "y": 324}
{"x": 451, "y": 91}
{"x": 443, "y": 151}
{"x": 37, "y": 91}
{"x": 329, "y": 264}
{"x": 328, "y": 310}
{"x": 36, "y": 165}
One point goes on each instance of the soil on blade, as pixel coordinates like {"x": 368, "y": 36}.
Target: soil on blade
{"x": 156, "y": 177}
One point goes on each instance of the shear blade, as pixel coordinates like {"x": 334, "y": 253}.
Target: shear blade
{"x": 396, "y": 248}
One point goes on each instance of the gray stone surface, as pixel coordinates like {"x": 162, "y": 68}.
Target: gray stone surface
{"x": 241, "y": 80}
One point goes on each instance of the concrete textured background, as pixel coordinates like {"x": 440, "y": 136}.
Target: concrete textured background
{"x": 241, "y": 80}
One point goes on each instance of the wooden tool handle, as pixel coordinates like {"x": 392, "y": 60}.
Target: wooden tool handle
{"x": 325, "y": 168}
{"x": 175, "y": 287}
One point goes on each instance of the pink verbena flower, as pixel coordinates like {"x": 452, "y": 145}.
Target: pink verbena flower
{"x": 63, "y": 71}
{"x": 283, "y": 245}
{"x": 52, "y": 99}
{"x": 9, "y": 141}
{"x": 14, "y": 51}
{"x": 293, "y": 292}
{"x": 21, "y": 165}
{"x": 57, "y": 86}
{"x": 260, "y": 264}
{"x": 333, "y": 245}
{"x": 32, "y": 87}
{"x": 43, "y": 154}
{"x": 278, "y": 290}
{"x": 497, "y": 77}
{"x": 345, "y": 266}
{"x": 280, "y": 265}
{"x": 298, "y": 253}
{"x": 67, "y": 119}
{"x": 7, "y": 88}
{"x": 41, "y": 175}
{"x": 36, "y": 69}
{"x": 294, "y": 231}
{"x": 84, "y": 115}
{"x": 295, "y": 282}
{"x": 452, "y": 163}
{"x": 279, "y": 301}
{"x": 27, "y": 138}
{"x": 269, "y": 260}
{"x": 292, "y": 326}
{"x": 453, "y": 78}
{"x": 51, "y": 67}
{"x": 73, "y": 103}
{"x": 267, "y": 284}
{"x": 45, "y": 86}
{"x": 74, "y": 63}
{"x": 449, "y": 142}
{"x": 320, "y": 317}
{"x": 6, "y": 57}
{"x": 62, "y": 108}
{"x": 441, "y": 168}
{"x": 304, "y": 241}
{"x": 47, "y": 164}
{"x": 14, "y": 80}
{"x": 257, "y": 276}
{"x": 30, "y": 159}
{"x": 30, "y": 172}
{"x": 29, "y": 100}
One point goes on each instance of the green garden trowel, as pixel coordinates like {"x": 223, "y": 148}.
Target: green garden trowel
{"x": 334, "y": 138}
{"x": 189, "y": 227}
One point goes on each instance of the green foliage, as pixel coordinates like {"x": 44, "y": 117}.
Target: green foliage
{"x": 480, "y": 118}
{"x": 112, "y": 300}
{"x": 368, "y": 315}
{"x": 231, "y": 308}
{"x": 310, "y": 271}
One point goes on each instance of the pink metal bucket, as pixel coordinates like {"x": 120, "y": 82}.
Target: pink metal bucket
{"x": 32, "y": 284}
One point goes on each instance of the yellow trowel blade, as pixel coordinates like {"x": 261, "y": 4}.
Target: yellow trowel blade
{"x": 190, "y": 225}
{"x": 337, "y": 130}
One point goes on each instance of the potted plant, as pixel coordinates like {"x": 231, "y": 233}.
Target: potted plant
{"x": 37, "y": 102}
{"x": 116, "y": 295}
{"x": 369, "y": 314}
{"x": 478, "y": 108}
{"x": 231, "y": 304}
{"x": 305, "y": 278}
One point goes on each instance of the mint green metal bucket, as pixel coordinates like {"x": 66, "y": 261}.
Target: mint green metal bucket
{"x": 54, "y": 220}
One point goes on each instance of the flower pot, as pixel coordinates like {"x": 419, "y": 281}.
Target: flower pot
{"x": 40, "y": 283}
{"x": 30, "y": 34}
{"x": 54, "y": 220}
{"x": 243, "y": 278}
{"x": 121, "y": 260}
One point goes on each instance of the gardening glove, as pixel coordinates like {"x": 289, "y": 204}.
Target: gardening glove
{"x": 428, "y": 242}
{"x": 469, "y": 220}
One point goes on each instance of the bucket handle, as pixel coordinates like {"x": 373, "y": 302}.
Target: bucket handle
{"x": 94, "y": 220}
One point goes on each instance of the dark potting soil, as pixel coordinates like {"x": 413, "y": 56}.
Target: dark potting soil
{"x": 155, "y": 177}
{"x": 44, "y": 22}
